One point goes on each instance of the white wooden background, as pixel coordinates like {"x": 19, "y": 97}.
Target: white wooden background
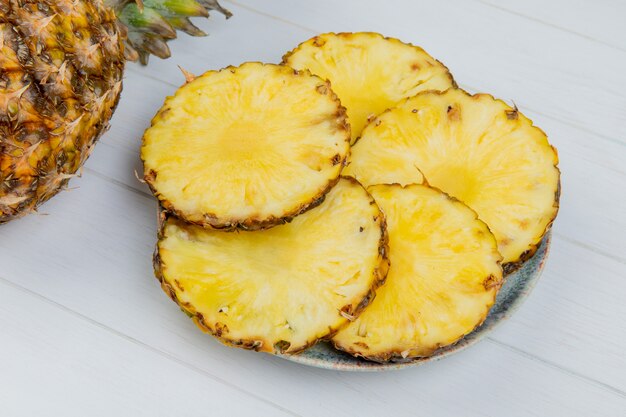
{"x": 86, "y": 331}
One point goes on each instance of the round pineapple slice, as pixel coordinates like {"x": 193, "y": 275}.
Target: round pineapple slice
{"x": 279, "y": 290}
{"x": 444, "y": 275}
{"x": 369, "y": 72}
{"x": 475, "y": 148}
{"x": 247, "y": 147}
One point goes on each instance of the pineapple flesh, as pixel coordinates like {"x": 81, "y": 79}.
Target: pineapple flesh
{"x": 278, "y": 290}
{"x": 475, "y": 148}
{"x": 247, "y": 147}
{"x": 444, "y": 275}
{"x": 369, "y": 72}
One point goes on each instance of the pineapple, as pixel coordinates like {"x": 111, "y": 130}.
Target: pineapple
{"x": 444, "y": 275}
{"x": 369, "y": 72}
{"x": 475, "y": 148}
{"x": 246, "y": 147}
{"x": 278, "y": 290}
{"x": 61, "y": 67}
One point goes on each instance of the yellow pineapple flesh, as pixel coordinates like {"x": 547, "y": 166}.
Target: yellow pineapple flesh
{"x": 247, "y": 147}
{"x": 278, "y": 290}
{"x": 369, "y": 72}
{"x": 444, "y": 275}
{"x": 475, "y": 148}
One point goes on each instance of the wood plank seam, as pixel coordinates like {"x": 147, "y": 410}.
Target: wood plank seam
{"x": 271, "y": 16}
{"x": 591, "y": 248}
{"x": 549, "y": 24}
{"x": 139, "y": 343}
{"x": 574, "y": 374}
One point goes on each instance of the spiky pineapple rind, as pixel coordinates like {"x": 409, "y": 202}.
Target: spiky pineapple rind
{"x": 209, "y": 219}
{"x": 59, "y": 89}
{"x": 259, "y": 343}
{"x": 491, "y": 282}
{"x": 31, "y": 205}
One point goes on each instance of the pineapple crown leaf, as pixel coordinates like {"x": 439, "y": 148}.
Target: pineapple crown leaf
{"x": 149, "y": 24}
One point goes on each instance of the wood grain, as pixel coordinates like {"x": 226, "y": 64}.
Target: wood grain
{"x": 601, "y": 21}
{"x": 55, "y": 362}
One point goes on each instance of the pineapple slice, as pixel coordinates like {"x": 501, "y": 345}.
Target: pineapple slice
{"x": 369, "y": 72}
{"x": 475, "y": 148}
{"x": 444, "y": 276}
{"x": 278, "y": 290}
{"x": 247, "y": 147}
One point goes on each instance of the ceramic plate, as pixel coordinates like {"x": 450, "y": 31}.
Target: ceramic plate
{"x": 515, "y": 289}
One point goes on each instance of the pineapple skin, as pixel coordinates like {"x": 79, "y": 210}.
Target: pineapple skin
{"x": 61, "y": 67}
{"x": 349, "y": 312}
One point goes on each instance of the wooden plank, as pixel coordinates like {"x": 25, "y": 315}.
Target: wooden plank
{"x": 602, "y": 21}
{"x": 542, "y": 68}
{"x": 54, "y": 363}
{"x": 95, "y": 258}
{"x": 570, "y": 318}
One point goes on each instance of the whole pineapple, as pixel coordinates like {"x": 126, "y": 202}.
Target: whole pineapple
{"x": 61, "y": 67}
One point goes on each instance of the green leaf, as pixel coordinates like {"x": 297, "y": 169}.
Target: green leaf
{"x": 147, "y": 21}
{"x": 177, "y": 8}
